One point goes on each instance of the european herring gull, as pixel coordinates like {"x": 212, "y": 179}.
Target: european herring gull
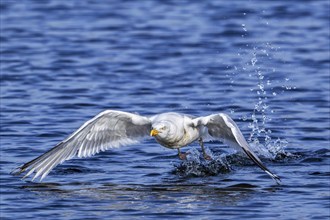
{"x": 113, "y": 129}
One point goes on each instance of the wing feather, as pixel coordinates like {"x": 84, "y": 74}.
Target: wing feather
{"x": 109, "y": 129}
{"x": 222, "y": 127}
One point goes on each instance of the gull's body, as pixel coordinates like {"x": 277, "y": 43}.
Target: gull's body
{"x": 112, "y": 129}
{"x": 178, "y": 136}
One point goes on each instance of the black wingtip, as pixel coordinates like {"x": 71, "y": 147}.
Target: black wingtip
{"x": 276, "y": 178}
{"x": 17, "y": 171}
{"x": 258, "y": 162}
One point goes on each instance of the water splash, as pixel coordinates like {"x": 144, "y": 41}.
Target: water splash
{"x": 196, "y": 166}
{"x": 260, "y": 138}
{"x": 268, "y": 87}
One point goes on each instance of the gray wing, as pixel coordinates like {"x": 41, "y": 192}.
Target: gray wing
{"x": 222, "y": 127}
{"x": 109, "y": 129}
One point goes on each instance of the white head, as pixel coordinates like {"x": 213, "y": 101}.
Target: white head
{"x": 162, "y": 130}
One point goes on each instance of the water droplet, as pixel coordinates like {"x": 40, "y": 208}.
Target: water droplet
{"x": 254, "y": 61}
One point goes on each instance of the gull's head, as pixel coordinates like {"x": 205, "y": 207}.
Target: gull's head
{"x": 160, "y": 130}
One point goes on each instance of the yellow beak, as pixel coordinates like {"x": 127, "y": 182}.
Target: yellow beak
{"x": 154, "y": 132}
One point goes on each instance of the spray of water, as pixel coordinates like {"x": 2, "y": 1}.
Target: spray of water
{"x": 256, "y": 60}
{"x": 196, "y": 166}
{"x": 260, "y": 138}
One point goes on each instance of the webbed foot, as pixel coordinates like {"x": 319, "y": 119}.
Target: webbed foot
{"x": 207, "y": 157}
{"x": 183, "y": 156}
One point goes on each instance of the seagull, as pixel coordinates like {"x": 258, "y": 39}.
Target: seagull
{"x": 113, "y": 129}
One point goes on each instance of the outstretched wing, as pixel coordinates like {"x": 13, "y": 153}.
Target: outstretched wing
{"x": 222, "y": 127}
{"x": 109, "y": 129}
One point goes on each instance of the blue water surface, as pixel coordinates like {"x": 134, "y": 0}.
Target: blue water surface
{"x": 265, "y": 63}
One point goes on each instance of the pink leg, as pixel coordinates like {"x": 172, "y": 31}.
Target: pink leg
{"x": 182, "y": 156}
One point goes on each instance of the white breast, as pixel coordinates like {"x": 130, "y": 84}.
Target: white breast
{"x": 181, "y": 132}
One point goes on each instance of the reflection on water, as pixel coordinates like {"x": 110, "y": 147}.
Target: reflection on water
{"x": 123, "y": 195}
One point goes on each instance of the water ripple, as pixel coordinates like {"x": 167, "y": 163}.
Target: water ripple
{"x": 264, "y": 63}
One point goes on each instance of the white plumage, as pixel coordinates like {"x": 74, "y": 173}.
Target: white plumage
{"x": 113, "y": 129}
